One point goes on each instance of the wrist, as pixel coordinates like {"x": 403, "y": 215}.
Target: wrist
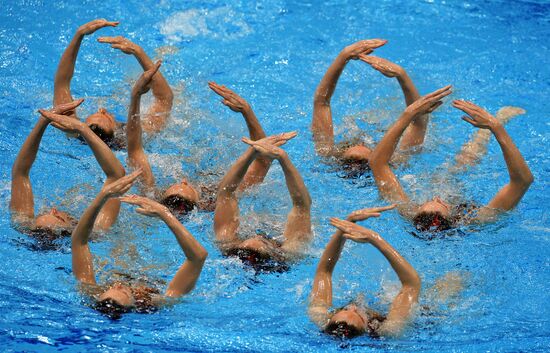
{"x": 496, "y": 127}
{"x": 344, "y": 56}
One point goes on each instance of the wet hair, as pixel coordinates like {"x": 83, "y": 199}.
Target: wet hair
{"x": 261, "y": 263}
{"x": 432, "y": 222}
{"x": 342, "y": 329}
{"x": 111, "y": 308}
{"x": 354, "y": 169}
{"x": 107, "y": 138}
{"x": 178, "y": 204}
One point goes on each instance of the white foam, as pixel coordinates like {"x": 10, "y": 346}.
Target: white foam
{"x": 222, "y": 22}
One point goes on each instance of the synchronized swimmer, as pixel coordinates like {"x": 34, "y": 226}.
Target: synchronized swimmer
{"x": 265, "y": 254}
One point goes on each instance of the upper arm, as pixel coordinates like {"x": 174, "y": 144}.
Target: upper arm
{"x": 226, "y": 218}
{"x": 22, "y": 199}
{"x": 400, "y": 311}
{"x": 509, "y": 196}
{"x": 321, "y": 298}
{"x": 388, "y": 184}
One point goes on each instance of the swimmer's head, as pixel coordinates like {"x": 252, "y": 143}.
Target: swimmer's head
{"x": 116, "y": 300}
{"x": 434, "y": 215}
{"x": 357, "y": 153}
{"x": 102, "y": 124}
{"x": 180, "y": 198}
{"x": 55, "y": 221}
{"x": 352, "y": 321}
{"x": 261, "y": 254}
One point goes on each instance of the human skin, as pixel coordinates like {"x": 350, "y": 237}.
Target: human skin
{"x": 82, "y": 264}
{"x": 22, "y": 200}
{"x": 322, "y": 124}
{"x": 297, "y": 233}
{"x": 391, "y": 189}
{"x": 154, "y": 120}
{"x": 321, "y": 295}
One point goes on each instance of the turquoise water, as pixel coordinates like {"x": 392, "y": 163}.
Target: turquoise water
{"x": 274, "y": 53}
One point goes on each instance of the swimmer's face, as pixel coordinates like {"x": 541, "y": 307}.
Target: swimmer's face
{"x": 436, "y": 205}
{"x": 120, "y": 294}
{"x": 180, "y": 198}
{"x": 55, "y": 220}
{"x": 351, "y": 321}
{"x": 103, "y": 124}
{"x": 258, "y": 244}
{"x": 357, "y": 153}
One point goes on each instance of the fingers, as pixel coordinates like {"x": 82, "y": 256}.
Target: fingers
{"x": 469, "y": 120}
{"x": 132, "y": 199}
{"x": 63, "y": 108}
{"x": 435, "y": 106}
{"x": 111, "y": 40}
{"x": 152, "y": 71}
{"x": 247, "y": 141}
{"x": 440, "y": 93}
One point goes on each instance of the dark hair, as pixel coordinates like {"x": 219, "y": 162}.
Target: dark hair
{"x": 261, "y": 263}
{"x": 110, "y": 308}
{"x": 432, "y": 222}
{"x": 103, "y": 135}
{"x": 178, "y": 204}
{"x": 342, "y": 329}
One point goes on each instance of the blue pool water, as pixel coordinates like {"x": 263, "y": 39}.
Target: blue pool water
{"x": 274, "y": 53}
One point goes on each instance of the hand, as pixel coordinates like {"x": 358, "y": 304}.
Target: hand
{"x": 354, "y": 231}
{"x": 478, "y": 116}
{"x": 63, "y": 122}
{"x": 266, "y": 147}
{"x": 143, "y": 84}
{"x": 121, "y": 186}
{"x": 280, "y": 139}
{"x": 429, "y": 102}
{"x": 230, "y": 98}
{"x": 386, "y": 67}
{"x": 362, "y": 47}
{"x": 94, "y": 25}
{"x": 366, "y": 213}
{"x": 67, "y": 108}
{"x": 121, "y": 43}
{"x": 146, "y": 206}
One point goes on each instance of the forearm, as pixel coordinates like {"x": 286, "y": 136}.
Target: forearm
{"x": 133, "y": 125}
{"x": 517, "y": 167}
{"x": 407, "y": 86}
{"x": 254, "y": 128}
{"x": 295, "y": 184}
{"x": 65, "y": 69}
{"x": 27, "y": 154}
{"x": 236, "y": 173}
{"x": 160, "y": 87}
{"x": 332, "y": 253}
{"x": 110, "y": 165}
{"x": 326, "y": 87}
{"x": 86, "y": 223}
{"x": 386, "y": 147}
{"x": 193, "y": 250}
{"x": 406, "y": 273}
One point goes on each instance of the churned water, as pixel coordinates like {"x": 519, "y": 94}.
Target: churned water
{"x": 274, "y": 53}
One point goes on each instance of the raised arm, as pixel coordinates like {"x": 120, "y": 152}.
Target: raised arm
{"x": 259, "y": 168}
{"x": 415, "y": 133}
{"x": 520, "y": 174}
{"x": 226, "y": 214}
{"x": 472, "y": 151}
{"x": 110, "y": 165}
{"x": 83, "y": 268}
{"x": 407, "y": 297}
{"x": 65, "y": 69}
{"x": 155, "y": 120}
{"x": 321, "y": 294}
{"x": 322, "y": 126}
{"x": 187, "y": 275}
{"x": 389, "y": 186}
{"x": 136, "y": 155}
{"x": 298, "y": 225}
{"x": 22, "y": 199}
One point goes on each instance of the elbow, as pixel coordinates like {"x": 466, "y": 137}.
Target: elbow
{"x": 414, "y": 282}
{"x": 201, "y": 256}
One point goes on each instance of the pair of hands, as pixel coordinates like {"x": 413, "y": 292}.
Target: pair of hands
{"x": 477, "y": 116}
{"x": 361, "y": 50}
{"x": 354, "y": 231}
{"x": 118, "y": 42}
{"x": 269, "y": 147}
{"x": 146, "y": 206}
